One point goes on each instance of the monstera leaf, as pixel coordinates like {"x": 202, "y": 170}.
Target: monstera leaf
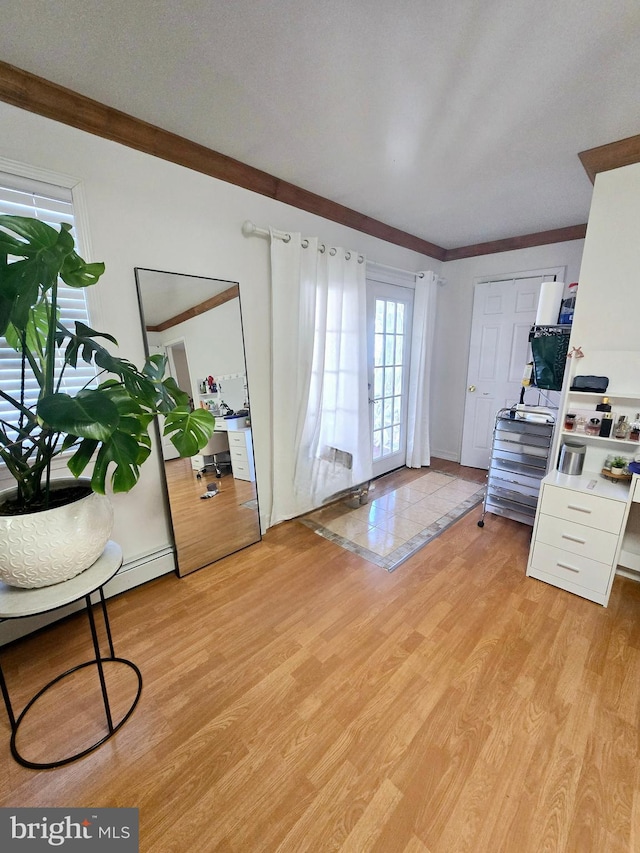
{"x": 189, "y": 430}
{"x": 108, "y": 424}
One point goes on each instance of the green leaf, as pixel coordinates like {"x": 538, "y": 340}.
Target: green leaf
{"x": 37, "y": 233}
{"x": 125, "y": 453}
{"x": 37, "y": 328}
{"x": 82, "y": 456}
{"x": 19, "y": 292}
{"x": 89, "y": 414}
{"x": 169, "y": 395}
{"x": 10, "y": 245}
{"x": 189, "y": 430}
{"x": 43, "y": 255}
{"x": 77, "y": 273}
{"x": 84, "y": 331}
{"x": 82, "y": 343}
{"x": 155, "y": 366}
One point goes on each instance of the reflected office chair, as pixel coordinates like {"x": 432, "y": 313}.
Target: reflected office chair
{"x": 216, "y": 454}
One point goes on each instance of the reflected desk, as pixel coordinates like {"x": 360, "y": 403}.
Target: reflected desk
{"x": 16, "y": 603}
{"x": 232, "y": 436}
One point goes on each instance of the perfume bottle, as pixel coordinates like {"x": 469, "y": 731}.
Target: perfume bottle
{"x": 634, "y": 435}
{"x": 622, "y": 428}
{"x": 569, "y": 422}
{"x": 604, "y": 406}
{"x": 592, "y": 426}
{"x": 605, "y": 424}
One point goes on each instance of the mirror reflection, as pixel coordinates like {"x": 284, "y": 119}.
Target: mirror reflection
{"x": 197, "y": 323}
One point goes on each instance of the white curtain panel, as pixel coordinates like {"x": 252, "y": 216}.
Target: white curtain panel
{"x": 422, "y": 334}
{"x": 320, "y": 422}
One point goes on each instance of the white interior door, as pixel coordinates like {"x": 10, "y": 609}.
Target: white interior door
{"x": 503, "y": 313}
{"x": 389, "y": 310}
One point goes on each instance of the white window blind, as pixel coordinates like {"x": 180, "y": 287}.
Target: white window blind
{"x": 51, "y": 204}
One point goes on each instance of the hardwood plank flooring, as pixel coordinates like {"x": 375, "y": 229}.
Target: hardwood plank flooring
{"x": 297, "y": 698}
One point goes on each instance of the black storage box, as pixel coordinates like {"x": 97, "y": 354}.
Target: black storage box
{"x": 590, "y": 384}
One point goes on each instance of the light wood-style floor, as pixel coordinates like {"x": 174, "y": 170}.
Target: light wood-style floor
{"x": 298, "y": 698}
{"x": 206, "y": 530}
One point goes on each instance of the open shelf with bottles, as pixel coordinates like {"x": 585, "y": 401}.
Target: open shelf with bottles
{"x": 584, "y": 403}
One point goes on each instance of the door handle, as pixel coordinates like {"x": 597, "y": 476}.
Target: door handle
{"x": 471, "y": 388}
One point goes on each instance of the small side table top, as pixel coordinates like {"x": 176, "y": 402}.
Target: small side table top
{"x": 16, "y": 602}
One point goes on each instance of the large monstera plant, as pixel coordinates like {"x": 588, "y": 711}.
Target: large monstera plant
{"x": 107, "y": 422}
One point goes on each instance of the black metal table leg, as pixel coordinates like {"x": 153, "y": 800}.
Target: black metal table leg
{"x": 16, "y": 603}
{"x": 96, "y": 648}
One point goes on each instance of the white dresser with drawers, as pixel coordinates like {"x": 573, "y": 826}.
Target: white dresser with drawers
{"x": 584, "y": 527}
{"x": 241, "y": 452}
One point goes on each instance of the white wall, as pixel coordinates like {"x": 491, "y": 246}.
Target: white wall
{"x": 142, "y": 211}
{"x": 608, "y": 305}
{"x": 451, "y": 348}
{"x": 605, "y": 324}
{"x": 213, "y": 343}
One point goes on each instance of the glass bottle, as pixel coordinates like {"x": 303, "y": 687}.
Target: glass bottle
{"x": 605, "y": 424}
{"x": 622, "y": 428}
{"x": 604, "y": 406}
{"x": 592, "y": 426}
{"x": 634, "y": 435}
{"x": 569, "y": 422}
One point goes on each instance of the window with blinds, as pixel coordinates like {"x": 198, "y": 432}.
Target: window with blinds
{"x": 53, "y": 205}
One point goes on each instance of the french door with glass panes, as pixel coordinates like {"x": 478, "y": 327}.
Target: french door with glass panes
{"x": 389, "y": 309}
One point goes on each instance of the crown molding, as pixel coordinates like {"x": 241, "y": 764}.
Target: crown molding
{"x": 35, "y": 94}
{"x": 227, "y": 295}
{"x": 624, "y": 152}
{"x": 526, "y": 241}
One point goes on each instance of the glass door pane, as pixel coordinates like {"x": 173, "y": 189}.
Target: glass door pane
{"x": 389, "y": 324}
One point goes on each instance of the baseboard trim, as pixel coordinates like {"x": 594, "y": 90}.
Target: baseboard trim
{"x": 628, "y": 573}
{"x": 132, "y": 574}
{"x": 448, "y": 455}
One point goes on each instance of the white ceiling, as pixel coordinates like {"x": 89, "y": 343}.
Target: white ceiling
{"x": 459, "y": 122}
{"x": 165, "y": 294}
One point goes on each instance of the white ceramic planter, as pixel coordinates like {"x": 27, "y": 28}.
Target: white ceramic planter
{"x": 44, "y": 548}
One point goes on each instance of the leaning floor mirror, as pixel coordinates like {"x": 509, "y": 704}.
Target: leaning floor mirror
{"x": 197, "y": 323}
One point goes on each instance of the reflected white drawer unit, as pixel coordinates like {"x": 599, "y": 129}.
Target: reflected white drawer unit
{"x": 241, "y": 451}
{"x": 577, "y": 534}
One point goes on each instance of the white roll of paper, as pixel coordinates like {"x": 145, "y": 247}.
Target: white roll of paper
{"x": 549, "y": 303}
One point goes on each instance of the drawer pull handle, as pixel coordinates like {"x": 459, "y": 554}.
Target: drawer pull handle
{"x": 574, "y": 539}
{"x": 570, "y": 568}
{"x": 579, "y": 508}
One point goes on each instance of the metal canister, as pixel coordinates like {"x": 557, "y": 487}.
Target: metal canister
{"x": 571, "y": 458}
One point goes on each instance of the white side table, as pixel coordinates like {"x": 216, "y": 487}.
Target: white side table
{"x": 17, "y": 603}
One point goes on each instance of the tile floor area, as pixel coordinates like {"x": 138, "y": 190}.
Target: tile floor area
{"x": 390, "y": 528}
